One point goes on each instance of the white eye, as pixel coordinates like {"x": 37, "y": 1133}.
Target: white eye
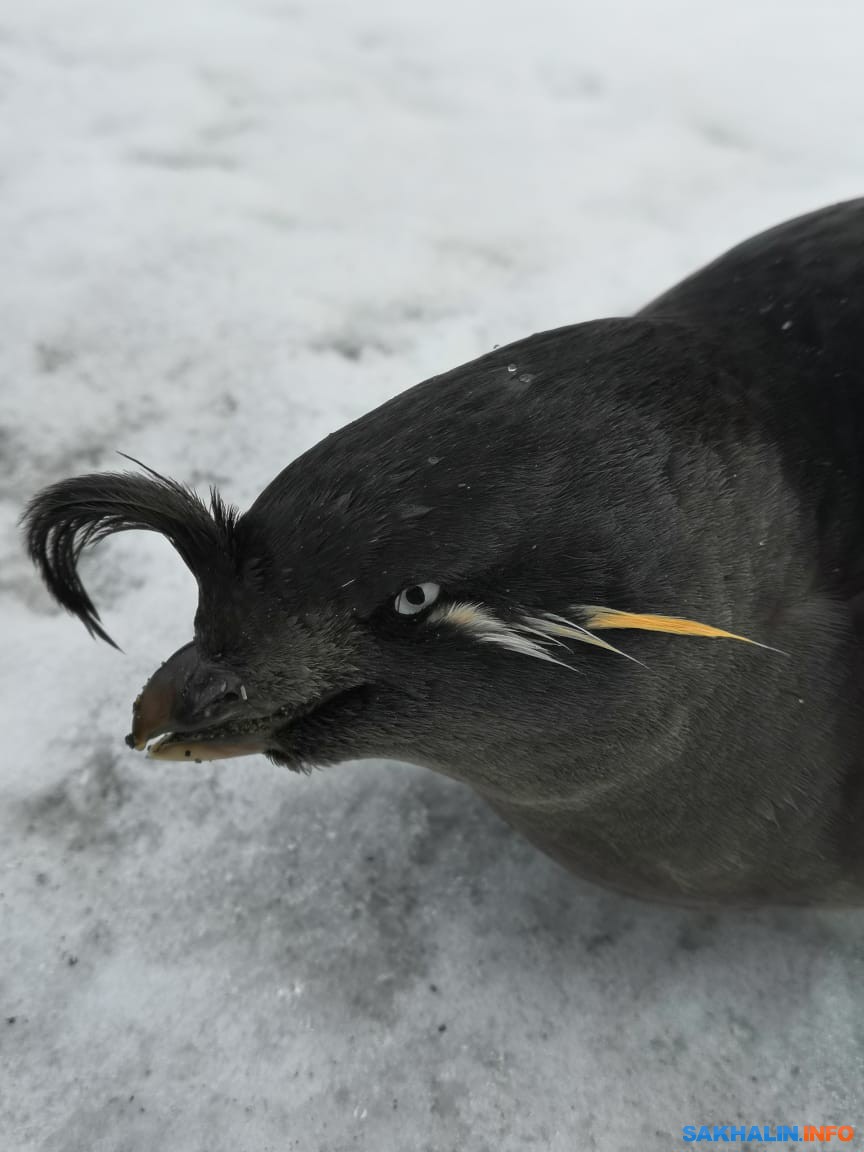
{"x": 412, "y": 600}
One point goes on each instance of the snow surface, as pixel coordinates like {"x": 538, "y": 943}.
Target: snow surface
{"x": 228, "y": 227}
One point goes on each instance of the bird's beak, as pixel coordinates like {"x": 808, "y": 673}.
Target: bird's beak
{"x": 191, "y": 695}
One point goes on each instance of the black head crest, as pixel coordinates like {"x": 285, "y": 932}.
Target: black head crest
{"x": 66, "y": 517}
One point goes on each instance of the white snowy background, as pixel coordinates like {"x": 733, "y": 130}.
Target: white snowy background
{"x": 227, "y": 227}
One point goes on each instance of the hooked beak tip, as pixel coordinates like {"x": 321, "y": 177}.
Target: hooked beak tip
{"x": 152, "y": 714}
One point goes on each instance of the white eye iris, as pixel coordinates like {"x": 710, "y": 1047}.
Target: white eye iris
{"x": 412, "y": 600}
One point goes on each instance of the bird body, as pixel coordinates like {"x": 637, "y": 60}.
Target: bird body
{"x": 534, "y": 573}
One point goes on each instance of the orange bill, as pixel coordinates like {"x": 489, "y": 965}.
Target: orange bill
{"x": 175, "y": 748}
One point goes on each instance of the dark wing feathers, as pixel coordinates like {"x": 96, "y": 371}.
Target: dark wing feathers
{"x": 66, "y": 517}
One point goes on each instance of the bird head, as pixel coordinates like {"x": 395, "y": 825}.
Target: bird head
{"x": 423, "y": 584}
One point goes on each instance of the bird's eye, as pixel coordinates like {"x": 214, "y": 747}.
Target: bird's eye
{"x": 414, "y": 599}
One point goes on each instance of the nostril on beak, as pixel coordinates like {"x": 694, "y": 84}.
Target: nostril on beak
{"x": 208, "y": 695}
{"x": 220, "y": 703}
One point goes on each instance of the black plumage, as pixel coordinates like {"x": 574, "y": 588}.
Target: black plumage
{"x": 456, "y": 578}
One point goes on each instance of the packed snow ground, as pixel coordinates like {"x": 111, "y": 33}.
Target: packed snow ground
{"x": 228, "y": 227}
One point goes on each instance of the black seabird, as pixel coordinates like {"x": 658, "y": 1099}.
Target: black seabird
{"x": 610, "y": 576}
